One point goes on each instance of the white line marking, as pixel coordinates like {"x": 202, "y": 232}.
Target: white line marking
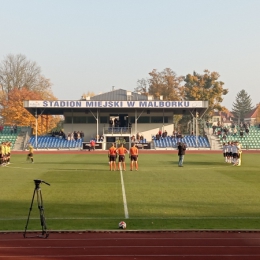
{"x": 134, "y": 218}
{"x": 123, "y": 193}
{"x": 20, "y": 168}
{"x": 128, "y": 256}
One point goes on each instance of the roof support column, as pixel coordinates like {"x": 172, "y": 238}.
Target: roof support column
{"x": 97, "y": 124}
{"x": 72, "y": 120}
{"x": 136, "y": 122}
{"x": 163, "y": 122}
{"x": 36, "y": 129}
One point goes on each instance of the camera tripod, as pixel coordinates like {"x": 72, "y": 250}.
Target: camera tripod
{"x": 38, "y": 193}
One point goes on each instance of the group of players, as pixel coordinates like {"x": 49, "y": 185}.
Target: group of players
{"x": 5, "y": 153}
{"x": 113, "y": 152}
{"x": 232, "y": 152}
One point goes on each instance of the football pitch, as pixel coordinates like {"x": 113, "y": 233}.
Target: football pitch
{"x": 206, "y": 193}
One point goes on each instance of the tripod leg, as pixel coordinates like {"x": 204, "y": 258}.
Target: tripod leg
{"x": 41, "y": 211}
{"x": 24, "y": 234}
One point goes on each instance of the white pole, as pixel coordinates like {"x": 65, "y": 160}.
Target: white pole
{"x": 36, "y": 129}
{"x": 97, "y": 125}
{"x": 136, "y": 122}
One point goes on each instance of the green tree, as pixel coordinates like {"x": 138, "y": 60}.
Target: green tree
{"x": 205, "y": 87}
{"x": 165, "y": 83}
{"x": 242, "y": 105}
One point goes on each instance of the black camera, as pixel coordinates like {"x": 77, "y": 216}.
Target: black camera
{"x": 38, "y": 182}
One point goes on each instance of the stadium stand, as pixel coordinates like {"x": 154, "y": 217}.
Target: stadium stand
{"x": 48, "y": 142}
{"x": 250, "y": 140}
{"x": 8, "y": 135}
{"x": 190, "y": 140}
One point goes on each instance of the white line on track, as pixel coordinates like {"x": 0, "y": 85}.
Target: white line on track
{"x": 123, "y": 193}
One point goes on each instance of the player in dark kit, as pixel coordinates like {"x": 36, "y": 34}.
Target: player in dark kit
{"x": 181, "y": 152}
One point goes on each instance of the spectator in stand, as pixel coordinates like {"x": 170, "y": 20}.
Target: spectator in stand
{"x": 11, "y": 129}
{"x": 164, "y": 134}
{"x": 157, "y": 136}
{"x": 75, "y": 135}
{"x": 214, "y": 129}
{"x": 61, "y": 134}
{"x": 101, "y": 138}
{"x": 78, "y": 135}
{"x": 138, "y": 137}
{"x": 247, "y": 130}
{"x": 141, "y": 138}
{"x": 81, "y": 135}
{"x": 132, "y": 138}
{"x": 179, "y": 135}
{"x": 160, "y": 133}
{"x": 1, "y": 129}
{"x": 15, "y": 128}
{"x": 111, "y": 122}
{"x": 241, "y": 132}
{"x": 116, "y": 122}
{"x": 235, "y": 131}
{"x": 92, "y": 145}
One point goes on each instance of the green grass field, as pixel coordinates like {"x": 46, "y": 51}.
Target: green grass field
{"x": 84, "y": 195}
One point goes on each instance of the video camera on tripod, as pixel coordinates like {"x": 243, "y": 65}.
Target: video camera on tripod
{"x": 38, "y": 182}
{"x": 37, "y": 191}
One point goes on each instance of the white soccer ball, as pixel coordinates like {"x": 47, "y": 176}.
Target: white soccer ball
{"x": 122, "y": 225}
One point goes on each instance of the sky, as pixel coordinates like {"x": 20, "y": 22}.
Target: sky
{"x": 94, "y": 45}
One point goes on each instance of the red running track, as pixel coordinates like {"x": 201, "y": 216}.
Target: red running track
{"x": 133, "y": 245}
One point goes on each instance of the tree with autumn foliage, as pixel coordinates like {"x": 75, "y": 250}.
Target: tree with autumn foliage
{"x": 12, "y": 110}
{"x": 205, "y": 87}
{"x": 165, "y": 83}
{"x": 21, "y": 79}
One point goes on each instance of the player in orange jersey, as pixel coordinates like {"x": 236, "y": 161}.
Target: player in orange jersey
{"x": 133, "y": 157}
{"x": 121, "y": 151}
{"x": 112, "y": 157}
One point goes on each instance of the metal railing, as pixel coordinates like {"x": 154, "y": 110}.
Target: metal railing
{"x": 117, "y": 130}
